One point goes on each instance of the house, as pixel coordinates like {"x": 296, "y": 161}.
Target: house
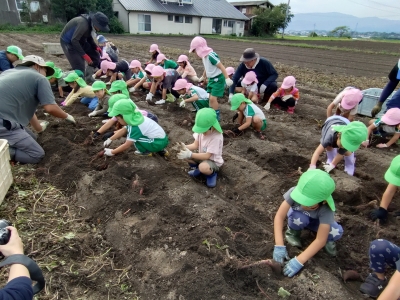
{"x": 189, "y": 17}
{"x": 9, "y": 12}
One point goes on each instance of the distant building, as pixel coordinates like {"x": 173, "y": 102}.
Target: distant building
{"x": 9, "y": 12}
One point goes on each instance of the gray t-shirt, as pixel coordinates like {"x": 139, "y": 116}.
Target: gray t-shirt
{"x": 323, "y": 213}
{"x": 22, "y": 90}
{"x": 329, "y": 136}
{"x": 171, "y": 76}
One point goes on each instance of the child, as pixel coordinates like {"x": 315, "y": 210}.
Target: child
{"x": 388, "y": 125}
{"x": 108, "y": 48}
{"x": 55, "y": 78}
{"x": 137, "y": 72}
{"x": 213, "y": 69}
{"x": 186, "y": 70}
{"x": 147, "y": 136}
{"x": 208, "y": 140}
{"x": 99, "y": 89}
{"x": 119, "y": 87}
{"x": 165, "y": 79}
{"x": 307, "y": 205}
{"x": 65, "y": 86}
{"x": 191, "y": 94}
{"x": 249, "y": 86}
{"x": 286, "y": 96}
{"x": 145, "y": 81}
{"x": 79, "y": 89}
{"x": 10, "y": 56}
{"x": 345, "y": 103}
{"x": 154, "y": 54}
{"x": 230, "y": 71}
{"x": 166, "y": 63}
{"x": 341, "y": 139}
{"x": 392, "y": 176}
{"x": 114, "y": 70}
{"x": 249, "y": 115}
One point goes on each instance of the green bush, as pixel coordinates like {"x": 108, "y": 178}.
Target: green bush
{"x": 32, "y": 27}
{"x": 116, "y": 26}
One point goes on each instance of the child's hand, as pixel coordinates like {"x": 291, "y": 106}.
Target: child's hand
{"x": 267, "y": 106}
{"x": 108, "y": 152}
{"x": 185, "y": 154}
{"x": 107, "y": 142}
{"x": 381, "y": 146}
{"x": 228, "y": 82}
{"x": 292, "y": 267}
{"x": 280, "y": 254}
{"x": 329, "y": 167}
{"x": 365, "y": 143}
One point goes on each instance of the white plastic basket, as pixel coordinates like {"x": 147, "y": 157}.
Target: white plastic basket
{"x": 53, "y": 48}
{"x": 6, "y": 177}
{"x": 370, "y": 98}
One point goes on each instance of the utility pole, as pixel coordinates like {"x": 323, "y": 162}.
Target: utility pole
{"x": 314, "y": 30}
{"x": 286, "y": 14}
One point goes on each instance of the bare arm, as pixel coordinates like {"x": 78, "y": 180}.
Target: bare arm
{"x": 35, "y": 123}
{"x": 392, "y": 291}
{"x": 279, "y": 219}
{"x": 60, "y": 91}
{"x": 393, "y": 139}
{"x": 320, "y": 149}
{"x": 120, "y": 133}
{"x": 246, "y": 124}
{"x": 316, "y": 245}
{"x": 123, "y": 147}
{"x": 55, "y": 111}
{"x": 106, "y": 126}
{"x": 193, "y": 146}
{"x": 223, "y": 70}
{"x": 388, "y": 195}
{"x": 338, "y": 158}
{"x": 201, "y": 156}
{"x": 192, "y": 99}
{"x": 113, "y": 77}
{"x": 164, "y": 94}
{"x": 329, "y": 109}
{"x": 140, "y": 83}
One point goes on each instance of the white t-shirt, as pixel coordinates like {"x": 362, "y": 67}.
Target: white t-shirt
{"x": 210, "y": 62}
{"x": 253, "y": 110}
{"x": 211, "y": 143}
{"x": 252, "y": 88}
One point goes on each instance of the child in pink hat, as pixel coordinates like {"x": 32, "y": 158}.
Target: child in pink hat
{"x": 286, "y": 96}
{"x": 214, "y": 71}
{"x": 388, "y": 125}
{"x": 166, "y": 80}
{"x": 186, "y": 70}
{"x": 154, "y": 53}
{"x": 137, "y": 72}
{"x": 230, "y": 71}
{"x": 345, "y": 103}
{"x": 249, "y": 86}
{"x": 166, "y": 63}
{"x": 116, "y": 71}
{"x": 191, "y": 94}
{"x": 145, "y": 81}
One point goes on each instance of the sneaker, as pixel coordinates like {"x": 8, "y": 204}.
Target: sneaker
{"x": 373, "y": 286}
{"x": 290, "y": 110}
{"x": 212, "y": 180}
{"x": 194, "y": 173}
{"x": 147, "y": 153}
{"x": 160, "y": 102}
{"x": 163, "y": 153}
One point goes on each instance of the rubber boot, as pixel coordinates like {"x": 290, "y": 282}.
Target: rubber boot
{"x": 193, "y": 166}
{"x": 218, "y": 115}
{"x": 194, "y": 173}
{"x": 350, "y": 164}
{"x": 331, "y": 155}
{"x": 330, "y": 248}
{"x": 293, "y": 237}
{"x": 212, "y": 180}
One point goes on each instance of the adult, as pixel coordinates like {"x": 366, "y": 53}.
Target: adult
{"x": 265, "y": 71}
{"x": 78, "y": 41}
{"x": 394, "y": 79}
{"x": 22, "y": 90}
{"x": 10, "y": 56}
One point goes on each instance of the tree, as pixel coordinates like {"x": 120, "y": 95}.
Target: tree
{"x": 340, "y": 31}
{"x": 269, "y": 21}
{"x": 285, "y": 8}
{"x": 69, "y": 9}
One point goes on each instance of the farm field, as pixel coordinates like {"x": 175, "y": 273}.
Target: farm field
{"x": 97, "y": 237}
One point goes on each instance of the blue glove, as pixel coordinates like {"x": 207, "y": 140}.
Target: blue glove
{"x": 292, "y": 267}
{"x": 280, "y": 254}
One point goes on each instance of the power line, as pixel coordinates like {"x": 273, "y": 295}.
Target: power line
{"x": 396, "y": 7}
{"x": 370, "y": 6}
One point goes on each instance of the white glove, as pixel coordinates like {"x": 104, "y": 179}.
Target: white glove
{"x": 329, "y": 167}
{"x": 286, "y": 97}
{"x": 107, "y": 151}
{"x": 132, "y": 90}
{"x": 103, "y": 76}
{"x": 230, "y": 98}
{"x": 262, "y": 88}
{"x": 108, "y": 83}
{"x": 70, "y": 118}
{"x": 92, "y": 114}
{"x": 107, "y": 142}
{"x": 149, "y": 96}
{"x": 44, "y": 125}
{"x": 182, "y": 103}
{"x": 267, "y": 106}
{"x": 312, "y": 167}
{"x": 181, "y": 146}
{"x": 365, "y": 143}
{"x": 228, "y": 82}
{"x": 381, "y": 146}
{"x": 185, "y": 154}
{"x": 201, "y": 79}
{"x": 94, "y": 76}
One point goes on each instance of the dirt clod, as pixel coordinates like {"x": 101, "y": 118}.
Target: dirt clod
{"x": 351, "y": 275}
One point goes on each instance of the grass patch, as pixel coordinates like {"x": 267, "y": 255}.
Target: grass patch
{"x": 32, "y": 28}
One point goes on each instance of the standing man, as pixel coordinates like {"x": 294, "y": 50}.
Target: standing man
{"x": 266, "y": 74}
{"x": 22, "y": 90}
{"x": 78, "y": 41}
{"x": 10, "y": 56}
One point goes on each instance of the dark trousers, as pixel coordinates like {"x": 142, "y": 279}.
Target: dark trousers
{"x": 271, "y": 88}
{"x": 284, "y": 104}
{"x": 76, "y": 60}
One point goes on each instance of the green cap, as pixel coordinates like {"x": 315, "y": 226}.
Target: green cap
{"x": 314, "y": 186}
{"x": 75, "y": 77}
{"x": 50, "y": 64}
{"x": 205, "y": 119}
{"x": 79, "y": 72}
{"x": 127, "y": 109}
{"x": 113, "y": 99}
{"x": 98, "y": 85}
{"x": 58, "y": 73}
{"x": 119, "y": 85}
{"x": 16, "y": 51}
{"x": 238, "y": 99}
{"x": 353, "y": 134}
{"x": 392, "y": 175}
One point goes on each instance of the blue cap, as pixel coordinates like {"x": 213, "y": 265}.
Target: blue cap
{"x": 101, "y": 39}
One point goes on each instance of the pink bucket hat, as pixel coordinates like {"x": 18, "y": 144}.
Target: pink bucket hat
{"x": 157, "y": 71}
{"x": 250, "y": 77}
{"x": 288, "y": 82}
{"x": 107, "y": 65}
{"x": 160, "y": 58}
{"x": 183, "y": 58}
{"x": 392, "y": 117}
{"x": 149, "y": 67}
{"x": 154, "y": 47}
{"x": 182, "y": 84}
{"x": 351, "y": 98}
{"x": 105, "y": 56}
{"x": 200, "y": 45}
{"x": 230, "y": 70}
{"x": 135, "y": 64}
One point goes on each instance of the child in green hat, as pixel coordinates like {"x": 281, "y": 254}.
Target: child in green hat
{"x": 79, "y": 89}
{"x": 307, "y": 205}
{"x": 249, "y": 114}
{"x": 55, "y": 78}
{"x": 99, "y": 89}
{"x": 10, "y": 56}
{"x": 341, "y": 139}
{"x": 147, "y": 136}
{"x": 208, "y": 140}
{"x": 119, "y": 87}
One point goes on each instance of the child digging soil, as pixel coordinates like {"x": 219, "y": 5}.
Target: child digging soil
{"x": 79, "y": 89}
{"x": 191, "y": 94}
{"x": 99, "y": 89}
{"x": 345, "y": 103}
{"x": 285, "y": 97}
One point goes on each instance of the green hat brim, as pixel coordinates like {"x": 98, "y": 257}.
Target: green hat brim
{"x": 198, "y": 129}
{"x": 345, "y": 143}
{"x": 301, "y": 199}
{"x": 391, "y": 178}
{"x": 236, "y": 106}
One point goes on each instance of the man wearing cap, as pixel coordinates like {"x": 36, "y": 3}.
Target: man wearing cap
{"x": 18, "y": 106}
{"x": 77, "y": 41}
{"x": 10, "y": 56}
{"x": 108, "y": 48}
{"x": 266, "y": 73}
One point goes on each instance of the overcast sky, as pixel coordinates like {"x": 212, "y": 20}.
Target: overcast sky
{"x": 387, "y": 9}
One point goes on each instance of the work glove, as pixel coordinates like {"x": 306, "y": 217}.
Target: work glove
{"x": 237, "y": 131}
{"x": 185, "y": 154}
{"x": 103, "y": 76}
{"x": 201, "y": 79}
{"x": 329, "y": 167}
{"x": 381, "y": 146}
{"x": 182, "y": 103}
{"x": 88, "y": 59}
{"x": 170, "y": 98}
{"x": 107, "y": 142}
{"x": 376, "y": 109}
{"x": 132, "y": 90}
{"x": 292, "y": 267}
{"x": 380, "y": 214}
{"x": 228, "y": 82}
{"x": 267, "y": 106}
{"x": 96, "y": 134}
{"x": 181, "y": 146}
{"x": 149, "y": 96}
{"x": 44, "y": 125}
{"x": 262, "y": 88}
{"x": 286, "y": 97}
{"x": 230, "y": 98}
{"x": 92, "y": 114}
{"x": 108, "y": 83}
{"x": 71, "y": 119}
{"x": 312, "y": 167}
{"x": 365, "y": 143}
{"x": 99, "y": 50}
{"x": 107, "y": 151}
{"x": 280, "y": 254}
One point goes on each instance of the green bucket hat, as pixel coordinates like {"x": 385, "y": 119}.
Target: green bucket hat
{"x": 127, "y": 109}
{"x": 99, "y": 85}
{"x": 353, "y": 134}
{"x": 119, "y": 85}
{"x": 80, "y": 73}
{"x": 113, "y": 99}
{"x": 314, "y": 186}
{"x": 58, "y": 73}
{"x": 50, "y": 64}
{"x": 16, "y": 51}
{"x": 205, "y": 119}
{"x": 392, "y": 175}
{"x": 238, "y": 99}
{"x": 75, "y": 77}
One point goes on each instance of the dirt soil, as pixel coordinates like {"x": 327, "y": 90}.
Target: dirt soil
{"x": 173, "y": 237}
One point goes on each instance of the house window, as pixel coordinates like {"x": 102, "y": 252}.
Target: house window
{"x": 229, "y": 23}
{"x": 178, "y": 19}
{"x": 244, "y": 10}
{"x": 241, "y": 24}
{"x": 188, "y": 19}
{"x": 170, "y": 17}
{"x": 20, "y": 4}
{"x": 144, "y": 22}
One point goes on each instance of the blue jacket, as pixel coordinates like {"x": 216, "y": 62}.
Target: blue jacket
{"x": 394, "y": 101}
{"x": 5, "y": 64}
{"x": 19, "y": 288}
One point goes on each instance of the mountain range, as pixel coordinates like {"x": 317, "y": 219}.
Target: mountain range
{"x": 328, "y": 21}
